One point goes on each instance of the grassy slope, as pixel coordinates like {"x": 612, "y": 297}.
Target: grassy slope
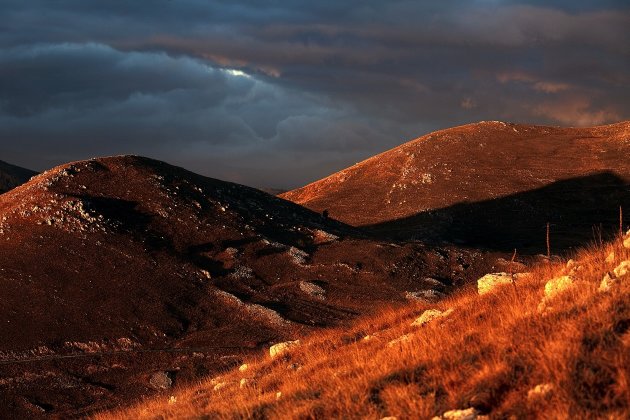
{"x": 487, "y": 354}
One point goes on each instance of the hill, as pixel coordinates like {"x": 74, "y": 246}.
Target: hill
{"x": 553, "y": 344}
{"x": 452, "y": 184}
{"x": 124, "y": 275}
{"x": 11, "y": 176}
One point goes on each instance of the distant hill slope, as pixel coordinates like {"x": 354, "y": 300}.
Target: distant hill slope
{"x": 478, "y": 163}
{"x": 114, "y": 269}
{"x": 11, "y": 176}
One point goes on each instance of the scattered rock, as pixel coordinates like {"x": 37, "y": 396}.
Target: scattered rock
{"x": 553, "y": 288}
{"x": 172, "y": 399}
{"x": 402, "y": 339}
{"x": 297, "y": 255}
{"x": 242, "y": 272}
{"x": 425, "y": 296}
{"x": 313, "y": 290}
{"x": 557, "y": 285}
{"x": 607, "y": 282}
{"x": 541, "y": 390}
{"x": 244, "y": 383}
{"x": 467, "y": 414}
{"x": 488, "y": 282}
{"x": 430, "y": 315}
{"x": 281, "y": 348}
{"x": 160, "y": 381}
{"x": 218, "y": 386}
{"x": 389, "y": 418}
{"x": 622, "y": 269}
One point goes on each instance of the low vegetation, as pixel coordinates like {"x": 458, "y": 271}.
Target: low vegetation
{"x": 523, "y": 349}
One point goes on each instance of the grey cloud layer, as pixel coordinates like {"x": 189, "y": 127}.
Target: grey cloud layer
{"x": 252, "y": 91}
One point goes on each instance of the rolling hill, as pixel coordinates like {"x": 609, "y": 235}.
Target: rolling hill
{"x": 125, "y": 275}
{"x": 451, "y": 185}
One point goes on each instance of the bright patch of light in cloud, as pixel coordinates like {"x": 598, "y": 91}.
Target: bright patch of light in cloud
{"x": 237, "y": 73}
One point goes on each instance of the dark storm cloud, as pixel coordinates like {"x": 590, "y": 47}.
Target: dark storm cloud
{"x": 252, "y": 91}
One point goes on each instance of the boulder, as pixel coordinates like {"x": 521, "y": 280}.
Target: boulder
{"x": 622, "y": 269}
{"x": 160, "y": 380}
{"x": 540, "y": 390}
{"x": 281, "y": 348}
{"x": 430, "y": 315}
{"x": 467, "y": 414}
{"x": 243, "y": 367}
{"x": 626, "y": 240}
{"x": 607, "y": 282}
{"x": 490, "y": 281}
{"x": 557, "y": 285}
{"x": 610, "y": 258}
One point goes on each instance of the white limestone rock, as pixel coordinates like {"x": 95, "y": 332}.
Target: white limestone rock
{"x": 282, "y": 348}
{"x": 490, "y": 281}
{"x": 430, "y": 315}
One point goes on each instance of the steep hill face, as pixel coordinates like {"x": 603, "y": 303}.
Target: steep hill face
{"x": 116, "y": 270}
{"x": 11, "y": 176}
{"x": 419, "y": 182}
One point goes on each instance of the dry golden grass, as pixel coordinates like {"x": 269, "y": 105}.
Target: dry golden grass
{"x": 488, "y": 354}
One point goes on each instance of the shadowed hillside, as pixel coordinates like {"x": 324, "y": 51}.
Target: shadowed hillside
{"x": 577, "y": 209}
{"x": 11, "y": 176}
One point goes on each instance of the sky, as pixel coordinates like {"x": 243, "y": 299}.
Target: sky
{"x": 282, "y": 93}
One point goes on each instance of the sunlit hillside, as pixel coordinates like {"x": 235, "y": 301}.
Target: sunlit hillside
{"x": 553, "y": 344}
